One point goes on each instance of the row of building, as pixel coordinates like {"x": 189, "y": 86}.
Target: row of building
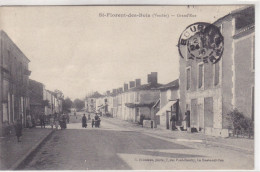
{"x": 19, "y": 95}
{"x": 205, "y": 92}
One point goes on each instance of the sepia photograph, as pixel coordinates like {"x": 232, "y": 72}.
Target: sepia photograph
{"x": 127, "y": 87}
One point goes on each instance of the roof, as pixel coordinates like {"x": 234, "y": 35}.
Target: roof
{"x": 234, "y": 13}
{"x": 145, "y": 87}
{"x": 16, "y": 48}
{"x": 96, "y": 95}
{"x": 171, "y": 85}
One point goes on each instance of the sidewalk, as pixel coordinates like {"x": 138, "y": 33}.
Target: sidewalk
{"x": 13, "y": 154}
{"x": 239, "y": 144}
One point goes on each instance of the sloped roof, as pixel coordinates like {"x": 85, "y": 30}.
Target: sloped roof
{"x": 145, "y": 87}
{"x": 173, "y": 85}
{"x": 96, "y": 95}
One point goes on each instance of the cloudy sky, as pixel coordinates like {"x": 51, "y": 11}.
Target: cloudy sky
{"x": 73, "y": 49}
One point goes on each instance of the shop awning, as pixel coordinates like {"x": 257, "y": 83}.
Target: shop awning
{"x": 167, "y": 107}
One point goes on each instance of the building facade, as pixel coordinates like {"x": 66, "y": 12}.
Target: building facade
{"x": 14, "y": 78}
{"x": 168, "y": 104}
{"x": 208, "y": 92}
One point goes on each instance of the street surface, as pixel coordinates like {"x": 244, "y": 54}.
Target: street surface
{"x": 118, "y": 147}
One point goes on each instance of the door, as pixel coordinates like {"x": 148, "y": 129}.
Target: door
{"x": 208, "y": 112}
{"x": 194, "y": 113}
{"x": 168, "y": 113}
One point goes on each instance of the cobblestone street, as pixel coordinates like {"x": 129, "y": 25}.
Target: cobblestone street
{"x": 115, "y": 147}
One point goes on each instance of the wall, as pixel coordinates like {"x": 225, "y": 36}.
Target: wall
{"x": 244, "y": 78}
{"x": 14, "y": 81}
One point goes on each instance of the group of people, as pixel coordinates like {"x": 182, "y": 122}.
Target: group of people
{"x": 95, "y": 122}
{"x": 57, "y": 120}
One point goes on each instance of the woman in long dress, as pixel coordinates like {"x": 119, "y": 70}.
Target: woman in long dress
{"x": 84, "y": 121}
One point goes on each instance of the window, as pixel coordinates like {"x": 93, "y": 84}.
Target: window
{"x": 188, "y": 77}
{"x": 216, "y": 74}
{"x": 253, "y": 54}
{"x": 253, "y": 101}
{"x": 201, "y": 75}
{"x": 137, "y": 97}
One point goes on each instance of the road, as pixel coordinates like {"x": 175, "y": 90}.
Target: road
{"x": 118, "y": 147}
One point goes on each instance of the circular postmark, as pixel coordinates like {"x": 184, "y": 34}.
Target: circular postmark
{"x": 201, "y": 41}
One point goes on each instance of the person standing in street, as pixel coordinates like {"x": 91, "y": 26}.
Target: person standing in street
{"x": 93, "y": 122}
{"x": 56, "y": 121}
{"x": 173, "y": 121}
{"x": 18, "y": 129}
{"x": 51, "y": 121}
{"x": 84, "y": 121}
{"x": 29, "y": 121}
{"x": 42, "y": 120}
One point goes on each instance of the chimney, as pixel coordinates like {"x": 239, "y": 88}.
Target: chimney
{"x": 149, "y": 78}
{"x": 131, "y": 84}
{"x": 114, "y": 91}
{"x": 138, "y": 82}
{"x": 153, "y": 76}
{"x": 108, "y": 92}
{"x": 120, "y": 90}
{"x": 125, "y": 87}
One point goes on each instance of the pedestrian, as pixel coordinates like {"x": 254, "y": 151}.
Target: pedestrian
{"x": 18, "y": 129}
{"x": 42, "y": 120}
{"x": 84, "y": 121}
{"x": 173, "y": 120}
{"x": 68, "y": 118}
{"x": 142, "y": 120}
{"x": 51, "y": 121}
{"x": 93, "y": 122}
{"x": 56, "y": 121}
{"x": 64, "y": 121}
{"x": 96, "y": 120}
{"x": 29, "y": 121}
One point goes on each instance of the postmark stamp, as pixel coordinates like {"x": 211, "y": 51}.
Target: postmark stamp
{"x": 201, "y": 41}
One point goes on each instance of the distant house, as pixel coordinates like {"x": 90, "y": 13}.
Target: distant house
{"x": 139, "y": 100}
{"x": 90, "y": 102}
{"x": 168, "y": 104}
{"x": 208, "y": 92}
{"x": 42, "y": 101}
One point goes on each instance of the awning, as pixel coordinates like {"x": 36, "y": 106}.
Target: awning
{"x": 166, "y": 107}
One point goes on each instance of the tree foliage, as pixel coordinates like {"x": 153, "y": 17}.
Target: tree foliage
{"x": 79, "y": 104}
{"x": 67, "y": 104}
{"x": 240, "y": 123}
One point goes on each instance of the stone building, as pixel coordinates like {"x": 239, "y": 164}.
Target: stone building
{"x": 168, "y": 104}
{"x": 210, "y": 91}
{"x": 43, "y": 101}
{"x": 90, "y": 102}
{"x": 14, "y": 76}
{"x": 139, "y": 99}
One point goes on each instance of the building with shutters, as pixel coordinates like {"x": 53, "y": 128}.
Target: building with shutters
{"x": 14, "y": 78}
{"x": 168, "y": 105}
{"x": 208, "y": 92}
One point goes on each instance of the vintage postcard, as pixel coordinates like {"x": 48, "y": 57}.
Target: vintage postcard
{"x": 134, "y": 87}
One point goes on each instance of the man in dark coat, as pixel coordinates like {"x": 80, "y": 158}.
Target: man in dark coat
{"x": 42, "y": 120}
{"x": 18, "y": 129}
{"x": 96, "y": 120}
{"x": 84, "y": 121}
{"x": 173, "y": 120}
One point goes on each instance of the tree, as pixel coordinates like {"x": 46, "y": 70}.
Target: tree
{"x": 67, "y": 104}
{"x": 59, "y": 94}
{"x": 79, "y": 104}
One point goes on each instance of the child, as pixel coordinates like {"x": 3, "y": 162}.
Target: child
{"x": 56, "y": 123}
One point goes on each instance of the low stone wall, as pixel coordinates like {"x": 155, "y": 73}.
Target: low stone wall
{"x": 148, "y": 123}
